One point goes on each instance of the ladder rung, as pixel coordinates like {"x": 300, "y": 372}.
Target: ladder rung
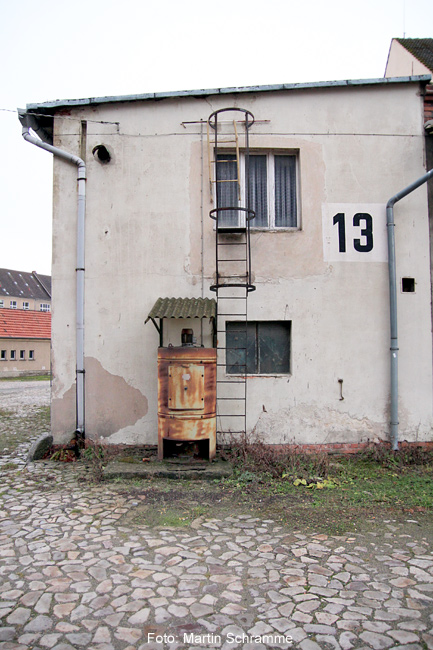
{"x": 232, "y": 243}
{"x": 230, "y": 415}
{"x": 222, "y": 348}
{"x": 222, "y": 141}
{"x": 237, "y": 399}
{"x": 238, "y": 365}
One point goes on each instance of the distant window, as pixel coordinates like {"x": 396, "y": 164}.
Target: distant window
{"x": 2, "y": 355}
{"x": 26, "y": 305}
{"x": 22, "y": 355}
{"x": 2, "y": 303}
{"x": 13, "y": 355}
{"x": 44, "y": 306}
{"x": 31, "y": 355}
{"x": 13, "y": 304}
{"x": 258, "y": 347}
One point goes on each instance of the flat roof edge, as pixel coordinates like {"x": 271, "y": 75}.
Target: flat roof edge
{"x": 91, "y": 101}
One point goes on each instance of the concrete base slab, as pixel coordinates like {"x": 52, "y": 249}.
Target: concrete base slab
{"x": 173, "y": 469}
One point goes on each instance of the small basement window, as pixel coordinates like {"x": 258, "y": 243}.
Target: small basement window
{"x": 2, "y": 355}
{"x": 258, "y": 347}
{"x": 408, "y": 285}
{"x": 22, "y": 355}
{"x": 31, "y": 355}
{"x": 13, "y": 355}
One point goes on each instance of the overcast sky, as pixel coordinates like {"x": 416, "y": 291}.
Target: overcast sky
{"x": 52, "y": 49}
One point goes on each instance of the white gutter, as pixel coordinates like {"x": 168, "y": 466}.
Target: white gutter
{"x": 81, "y": 213}
{"x": 393, "y": 300}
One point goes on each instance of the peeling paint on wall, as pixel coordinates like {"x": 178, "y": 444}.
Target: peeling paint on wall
{"x": 111, "y": 403}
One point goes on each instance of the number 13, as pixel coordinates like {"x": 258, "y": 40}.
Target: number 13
{"x": 367, "y": 232}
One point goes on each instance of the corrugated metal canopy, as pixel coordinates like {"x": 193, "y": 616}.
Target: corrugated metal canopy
{"x": 183, "y": 308}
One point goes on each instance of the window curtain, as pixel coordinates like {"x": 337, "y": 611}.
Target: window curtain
{"x": 257, "y": 188}
{"x": 285, "y": 191}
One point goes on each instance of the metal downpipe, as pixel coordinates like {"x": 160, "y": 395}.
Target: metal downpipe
{"x": 81, "y": 213}
{"x": 390, "y": 225}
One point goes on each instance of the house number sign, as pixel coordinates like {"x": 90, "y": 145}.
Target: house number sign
{"x": 354, "y": 232}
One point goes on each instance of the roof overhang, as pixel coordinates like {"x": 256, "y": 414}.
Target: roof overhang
{"x": 41, "y": 116}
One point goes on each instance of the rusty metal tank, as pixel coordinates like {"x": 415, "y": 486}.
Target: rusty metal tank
{"x": 187, "y": 396}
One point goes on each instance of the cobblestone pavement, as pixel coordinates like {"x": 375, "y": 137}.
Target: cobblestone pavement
{"x": 75, "y": 574}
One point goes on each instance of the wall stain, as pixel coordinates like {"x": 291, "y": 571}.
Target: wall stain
{"x": 63, "y": 419}
{"x": 111, "y": 403}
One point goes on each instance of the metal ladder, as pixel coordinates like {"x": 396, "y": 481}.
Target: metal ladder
{"x": 233, "y": 279}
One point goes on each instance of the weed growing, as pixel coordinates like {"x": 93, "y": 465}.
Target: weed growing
{"x": 405, "y": 456}
{"x": 257, "y": 458}
{"x": 96, "y": 455}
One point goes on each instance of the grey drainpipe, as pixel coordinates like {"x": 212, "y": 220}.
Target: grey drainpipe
{"x": 81, "y": 177}
{"x": 393, "y": 300}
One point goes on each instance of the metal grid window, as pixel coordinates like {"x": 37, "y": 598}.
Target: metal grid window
{"x": 259, "y": 348}
{"x": 44, "y": 306}
{"x": 13, "y": 304}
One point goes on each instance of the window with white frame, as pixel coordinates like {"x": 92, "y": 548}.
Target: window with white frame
{"x": 13, "y": 355}
{"x": 13, "y": 304}
{"x": 31, "y": 355}
{"x": 2, "y": 303}
{"x": 272, "y": 188}
{"x": 22, "y": 355}
{"x": 26, "y": 305}
{"x": 2, "y": 355}
{"x": 44, "y": 306}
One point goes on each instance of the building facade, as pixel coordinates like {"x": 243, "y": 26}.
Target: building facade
{"x": 24, "y": 343}
{"x": 325, "y": 159}
{"x": 23, "y": 290}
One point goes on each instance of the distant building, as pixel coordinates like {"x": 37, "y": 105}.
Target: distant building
{"x": 25, "y": 342}
{"x": 25, "y": 323}
{"x": 22, "y": 290}
{"x": 409, "y": 56}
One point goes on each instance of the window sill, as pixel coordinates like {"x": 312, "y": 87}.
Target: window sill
{"x": 282, "y": 229}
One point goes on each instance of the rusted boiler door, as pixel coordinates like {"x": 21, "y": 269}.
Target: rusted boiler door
{"x": 187, "y": 396}
{"x": 186, "y": 387}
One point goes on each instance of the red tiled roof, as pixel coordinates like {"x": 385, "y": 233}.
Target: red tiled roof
{"x": 19, "y": 324}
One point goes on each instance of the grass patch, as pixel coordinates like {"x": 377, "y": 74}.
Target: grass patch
{"x": 7, "y": 466}
{"x": 5, "y": 413}
{"x": 27, "y": 378}
{"x": 164, "y": 515}
{"x": 333, "y": 495}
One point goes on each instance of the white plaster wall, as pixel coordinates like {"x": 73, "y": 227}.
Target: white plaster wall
{"x": 144, "y": 230}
